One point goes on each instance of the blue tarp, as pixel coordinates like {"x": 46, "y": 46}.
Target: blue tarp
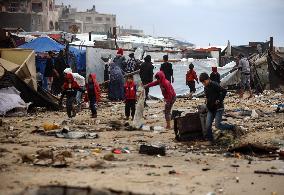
{"x": 80, "y": 58}
{"x": 43, "y": 44}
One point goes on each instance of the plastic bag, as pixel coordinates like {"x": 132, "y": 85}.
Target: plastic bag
{"x": 138, "y": 120}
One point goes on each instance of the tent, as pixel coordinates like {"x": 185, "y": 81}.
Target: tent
{"x": 22, "y": 63}
{"x": 42, "y": 45}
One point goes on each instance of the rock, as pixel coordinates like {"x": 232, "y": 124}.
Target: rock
{"x": 43, "y": 162}
{"x": 109, "y": 157}
{"x": 27, "y": 158}
{"x": 45, "y": 154}
{"x": 66, "y": 154}
{"x": 59, "y": 161}
{"x": 100, "y": 164}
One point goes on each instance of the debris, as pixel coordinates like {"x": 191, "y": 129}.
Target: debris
{"x": 116, "y": 151}
{"x": 27, "y": 158}
{"x": 59, "y": 161}
{"x": 66, "y": 154}
{"x": 76, "y": 134}
{"x": 44, "y": 154}
{"x": 254, "y": 149}
{"x": 269, "y": 172}
{"x": 237, "y": 179}
{"x": 172, "y": 172}
{"x": 254, "y": 114}
{"x": 206, "y": 169}
{"x": 109, "y": 157}
{"x": 100, "y": 164}
{"x": 49, "y": 126}
{"x": 152, "y": 150}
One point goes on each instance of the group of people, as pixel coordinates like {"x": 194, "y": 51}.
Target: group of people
{"x": 126, "y": 90}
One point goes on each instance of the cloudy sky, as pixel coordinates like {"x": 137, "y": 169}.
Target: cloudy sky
{"x": 198, "y": 21}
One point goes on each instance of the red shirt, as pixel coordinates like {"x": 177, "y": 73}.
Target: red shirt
{"x": 130, "y": 91}
{"x": 191, "y": 75}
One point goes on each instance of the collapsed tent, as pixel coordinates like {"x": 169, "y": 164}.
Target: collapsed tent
{"x": 200, "y": 65}
{"x": 39, "y": 98}
{"x": 21, "y": 62}
{"x": 10, "y": 99}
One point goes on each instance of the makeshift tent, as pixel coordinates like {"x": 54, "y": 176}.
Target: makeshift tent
{"x": 21, "y": 62}
{"x": 39, "y": 98}
{"x": 42, "y": 45}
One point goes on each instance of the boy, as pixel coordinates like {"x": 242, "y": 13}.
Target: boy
{"x": 167, "y": 68}
{"x": 215, "y": 76}
{"x": 168, "y": 93}
{"x": 215, "y": 95}
{"x": 191, "y": 77}
{"x": 130, "y": 97}
{"x": 70, "y": 88}
{"x": 93, "y": 90}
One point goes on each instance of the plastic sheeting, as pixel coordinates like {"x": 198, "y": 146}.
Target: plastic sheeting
{"x": 94, "y": 62}
{"x": 10, "y": 99}
{"x": 200, "y": 66}
{"x": 138, "y": 120}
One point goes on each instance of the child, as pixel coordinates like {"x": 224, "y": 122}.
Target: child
{"x": 168, "y": 93}
{"x": 215, "y": 76}
{"x": 130, "y": 97}
{"x": 215, "y": 95}
{"x": 190, "y": 80}
{"x": 93, "y": 90}
{"x": 70, "y": 88}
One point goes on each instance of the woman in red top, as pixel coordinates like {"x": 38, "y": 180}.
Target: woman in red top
{"x": 168, "y": 93}
{"x": 191, "y": 77}
{"x": 130, "y": 97}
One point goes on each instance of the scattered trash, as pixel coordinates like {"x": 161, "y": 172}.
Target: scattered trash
{"x": 206, "y": 169}
{"x": 49, "y": 126}
{"x": 109, "y": 157}
{"x": 116, "y": 151}
{"x": 76, "y": 135}
{"x": 172, "y": 172}
{"x": 152, "y": 150}
{"x": 254, "y": 149}
{"x": 269, "y": 172}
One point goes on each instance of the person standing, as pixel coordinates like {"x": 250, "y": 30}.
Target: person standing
{"x": 146, "y": 74}
{"x": 167, "y": 68}
{"x": 168, "y": 93}
{"x": 131, "y": 64}
{"x": 215, "y": 95}
{"x": 215, "y": 76}
{"x": 49, "y": 70}
{"x": 60, "y": 65}
{"x": 93, "y": 90}
{"x": 120, "y": 59}
{"x": 191, "y": 77}
{"x": 130, "y": 97}
{"x": 116, "y": 83}
{"x": 244, "y": 68}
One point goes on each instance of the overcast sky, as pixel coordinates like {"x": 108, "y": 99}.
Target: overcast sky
{"x": 198, "y": 21}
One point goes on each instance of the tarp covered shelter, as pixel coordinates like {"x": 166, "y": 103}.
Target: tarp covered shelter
{"x": 39, "y": 98}
{"x": 22, "y": 63}
{"x": 42, "y": 45}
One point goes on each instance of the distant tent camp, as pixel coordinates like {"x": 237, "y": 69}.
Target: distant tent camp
{"x": 42, "y": 45}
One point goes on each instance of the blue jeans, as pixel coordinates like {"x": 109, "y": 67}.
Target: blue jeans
{"x": 218, "y": 119}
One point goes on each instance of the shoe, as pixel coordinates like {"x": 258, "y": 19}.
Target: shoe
{"x": 94, "y": 116}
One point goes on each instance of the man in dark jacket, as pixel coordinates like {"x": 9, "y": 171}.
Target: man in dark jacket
{"x": 49, "y": 71}
{"x": 60, "y": 65}
{"x": 167, "y": 68}
{"x": 215, "y": 95}
{"x": 146, "y": 73}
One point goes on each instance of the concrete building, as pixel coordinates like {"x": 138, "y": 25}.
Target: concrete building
{"x": 30, "y": 15}
{"x": 92, "y": 22}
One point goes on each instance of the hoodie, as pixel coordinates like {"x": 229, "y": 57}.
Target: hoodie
{"x": 93, "y": 87}
{"x": 165, "y": 85}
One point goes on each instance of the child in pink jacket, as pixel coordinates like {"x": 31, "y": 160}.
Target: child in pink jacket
{"x": 168, "y": 93}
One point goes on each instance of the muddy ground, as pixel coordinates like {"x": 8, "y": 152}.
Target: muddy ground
{"x": 188, "y": 168}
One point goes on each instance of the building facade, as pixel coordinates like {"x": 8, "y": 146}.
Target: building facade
{"x": 30, "y": 15}
{"x": 92, "y": 21}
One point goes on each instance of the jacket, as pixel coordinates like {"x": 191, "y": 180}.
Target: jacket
{"x": 93, "y": 87}
{"x": 191, "y": 75}
{"x": 165, "y": 85}
{"x": 130, "y": 91}
{"x": 214, "y": 92}
{"x": 167, "y": 68}
{"x": 146, "y": 72}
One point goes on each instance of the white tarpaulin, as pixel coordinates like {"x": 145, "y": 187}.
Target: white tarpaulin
{"x": 10, "y": 99}
{"x": 200, "y": 65}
